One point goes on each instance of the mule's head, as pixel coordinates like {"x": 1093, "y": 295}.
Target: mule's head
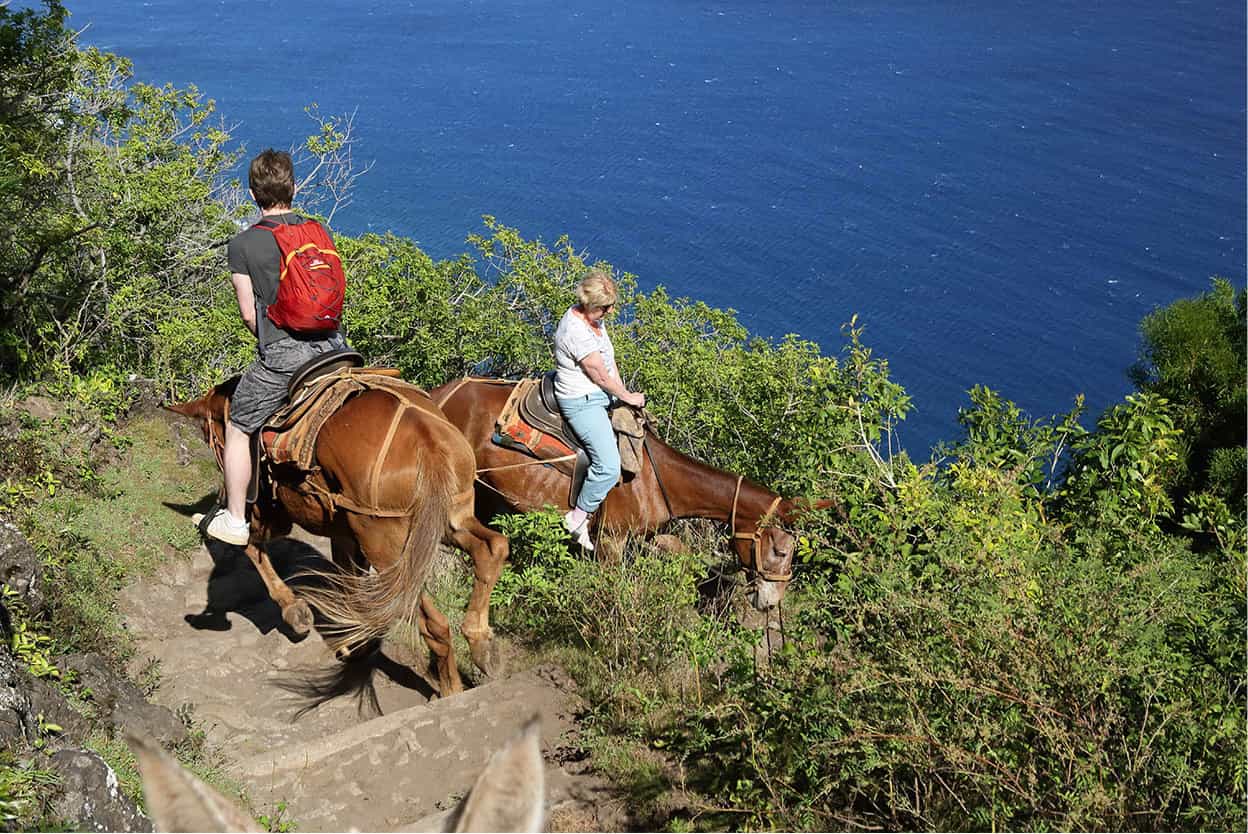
{"x": 767, "y": 556}
{"x": 209, "y": 410}
{"x": 766, "y": 552}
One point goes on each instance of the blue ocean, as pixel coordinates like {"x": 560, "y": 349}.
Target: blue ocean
{"x": 999, "y": 189}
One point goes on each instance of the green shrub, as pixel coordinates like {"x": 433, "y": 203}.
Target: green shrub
{"x": 1193, "y": 354}
{"x": 1040, "y": 687}
{"x": 633, "y": 618}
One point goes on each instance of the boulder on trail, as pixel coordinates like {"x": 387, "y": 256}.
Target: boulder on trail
{"x": 20, "y": 568}
{"x": 120, "y": 703}
{"x": 91, "y": 797}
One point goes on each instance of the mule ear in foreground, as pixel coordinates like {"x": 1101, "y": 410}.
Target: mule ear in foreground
{"x": 177, "y": 800}
{"x": 509, "y": 795}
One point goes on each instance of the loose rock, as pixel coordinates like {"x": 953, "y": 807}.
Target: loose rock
{"x": 41, "y": 408}
{"x": 91, "y": 797}
{"x": 20, "y": 568}
{"x": 121, "y": 703}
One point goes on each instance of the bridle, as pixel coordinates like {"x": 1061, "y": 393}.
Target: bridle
{"x": 218, "y": 446}
{"x": 756, "y": 537}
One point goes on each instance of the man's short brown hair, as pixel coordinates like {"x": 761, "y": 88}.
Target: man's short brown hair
{"x": 272, "y": 179}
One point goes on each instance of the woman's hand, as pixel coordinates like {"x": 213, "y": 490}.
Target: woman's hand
{"x": 634, "y": 398}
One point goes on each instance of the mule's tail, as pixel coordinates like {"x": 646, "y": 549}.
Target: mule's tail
{"x": 363, "y": 608}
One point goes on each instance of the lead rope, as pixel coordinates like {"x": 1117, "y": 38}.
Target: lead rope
{"x": 732, "y": 519}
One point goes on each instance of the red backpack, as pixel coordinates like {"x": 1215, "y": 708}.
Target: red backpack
{"x": 311, "y": 284}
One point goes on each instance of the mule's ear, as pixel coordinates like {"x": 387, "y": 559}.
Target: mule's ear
{"x": 177, "y": 800}
{"x": 194, "y": 408}
{"x": 510, "y": 793}
{"x": 789, "y": 510}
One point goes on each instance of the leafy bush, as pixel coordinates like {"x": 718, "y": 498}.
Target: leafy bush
{"x": 1123, "y": 471}
{"x": 1035, "y": 685}
{"x": 633, "y": 618}
{"x": 1193, "y": 355}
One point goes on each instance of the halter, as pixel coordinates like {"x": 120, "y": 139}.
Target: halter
{"x": 756, "y": 536}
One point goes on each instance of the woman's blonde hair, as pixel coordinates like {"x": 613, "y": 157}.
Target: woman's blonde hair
{"x": 596, "y": 289}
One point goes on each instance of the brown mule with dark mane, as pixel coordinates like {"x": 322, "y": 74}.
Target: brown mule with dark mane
{"x": 671, "y": 485}
{"x": 395, "y": 478}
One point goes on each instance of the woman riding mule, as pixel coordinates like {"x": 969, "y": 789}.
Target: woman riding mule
{"x": 670, "y": 485}
{"x": 586, "y": 381}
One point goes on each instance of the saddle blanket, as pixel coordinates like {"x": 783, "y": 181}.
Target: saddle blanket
{"x": 512, "y": 431}
{"x": 289, "y": 436}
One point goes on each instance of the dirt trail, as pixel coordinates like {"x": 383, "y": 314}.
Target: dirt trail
{"x": 334, "y": 769}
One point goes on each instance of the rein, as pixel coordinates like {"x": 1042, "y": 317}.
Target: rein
{"x": 667, "y": 502}
{"x": 756, "y": 537}
{"x": 535, "y": 462}
{"x": 465, "y": 380}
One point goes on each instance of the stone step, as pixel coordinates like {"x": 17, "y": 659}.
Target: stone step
{"x": 412, "y": 765}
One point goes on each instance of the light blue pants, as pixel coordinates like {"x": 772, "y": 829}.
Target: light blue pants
{"x": 588, "y": 418}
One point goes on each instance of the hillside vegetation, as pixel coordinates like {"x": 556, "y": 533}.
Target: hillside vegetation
{"x": 1040, "y": 626}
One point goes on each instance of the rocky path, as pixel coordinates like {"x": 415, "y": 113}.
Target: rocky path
{"x": 334, "y": 769}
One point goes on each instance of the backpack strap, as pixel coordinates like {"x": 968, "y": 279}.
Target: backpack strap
{"x": 266, "y": 223}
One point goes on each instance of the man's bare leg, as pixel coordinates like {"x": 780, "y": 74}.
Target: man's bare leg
{"x": 231, "y": 526}
{"x": 237, "y": 470}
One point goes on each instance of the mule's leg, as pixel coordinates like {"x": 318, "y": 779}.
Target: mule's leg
{"x": 436, "y": 630}
{"x": 295, "y": 611}
{"x": 489, "y": 550}
{"x": 347, "y": 556}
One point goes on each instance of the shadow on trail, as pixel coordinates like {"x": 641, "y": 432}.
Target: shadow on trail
{"x": 310, "y": 688}
{"x": 203, "y": 505}
{"x": 235, "y": 587}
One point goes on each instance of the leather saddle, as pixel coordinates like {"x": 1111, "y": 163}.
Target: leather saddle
{"x": 319, "y": 366}
{"x": 300, "y": 381}
{"x": 540, "y": 409}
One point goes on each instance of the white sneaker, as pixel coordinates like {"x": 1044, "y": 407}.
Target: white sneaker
{"x": 580, "y": 533}
{"x": 223, "y": 528}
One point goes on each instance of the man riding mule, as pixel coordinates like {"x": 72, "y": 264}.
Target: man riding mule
{"x": 377, "y": 467}
{"x": 259, "y": 268}
{"x": 389, "y": 479}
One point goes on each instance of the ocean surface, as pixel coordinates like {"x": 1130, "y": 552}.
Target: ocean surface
{"x": 999, "y": 189}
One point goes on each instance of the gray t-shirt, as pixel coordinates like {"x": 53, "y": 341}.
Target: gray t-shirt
{"x": 254, "y": 252}
{"x": 574, "y": 340}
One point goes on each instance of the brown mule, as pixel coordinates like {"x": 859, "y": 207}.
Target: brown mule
{"x": 671, "y": 485}
{"x": 395, "y": 478}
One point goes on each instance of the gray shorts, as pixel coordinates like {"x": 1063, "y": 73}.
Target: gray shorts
{"x": 262, "y": 389}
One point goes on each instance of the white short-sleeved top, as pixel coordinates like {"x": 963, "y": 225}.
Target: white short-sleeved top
{"x": 574, "y": 340}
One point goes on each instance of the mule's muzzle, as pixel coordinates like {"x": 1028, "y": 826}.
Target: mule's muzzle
{"x": 766, "y": 593}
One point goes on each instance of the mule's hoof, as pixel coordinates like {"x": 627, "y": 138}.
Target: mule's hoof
{"x": 360, "y": 652}
{"x": 487, "y": 657}
{"x": 298, "y": 616}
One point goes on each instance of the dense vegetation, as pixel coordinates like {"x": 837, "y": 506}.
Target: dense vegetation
{"x": 1040, "y": 627}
